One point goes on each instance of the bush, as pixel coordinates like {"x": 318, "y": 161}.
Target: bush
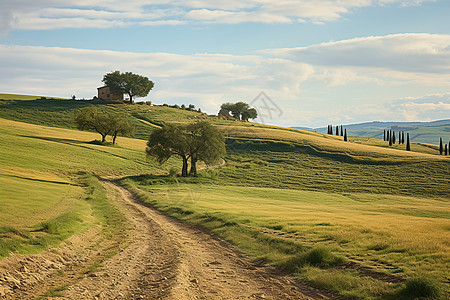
{"x": 173, "y": 172}
{"x": 420, "y": 288}
{"x": 318, "y": 257}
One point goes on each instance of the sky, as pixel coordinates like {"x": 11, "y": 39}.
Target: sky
{"x": 305, "y": 63}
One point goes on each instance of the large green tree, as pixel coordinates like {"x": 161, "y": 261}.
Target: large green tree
{"x": 128, "y": 83}
{"x": 198, "y": 142}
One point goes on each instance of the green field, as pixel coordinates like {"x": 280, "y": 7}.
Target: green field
{"x": 346, "y": 216}
{"x": 389, "y": 235}
{"x": 46, "y": 177}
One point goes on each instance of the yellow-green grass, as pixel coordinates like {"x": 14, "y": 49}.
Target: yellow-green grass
{"x": 146, "y": 118}
{"x": 329, "y": 143}
{"x": 61, "y": 151}
{"x": 44, "y": 196}
{"x": 395, "y": 235}
{"x": 22, "y": 97}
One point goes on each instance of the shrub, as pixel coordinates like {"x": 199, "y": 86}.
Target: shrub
{"x": 318, "y": 257}
{"x": 421, "y": 288}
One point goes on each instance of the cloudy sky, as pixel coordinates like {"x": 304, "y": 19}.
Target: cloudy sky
{"x": 318, "y": 62}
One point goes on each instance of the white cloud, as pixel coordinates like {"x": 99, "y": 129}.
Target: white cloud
{"x": 412, "y": 52}
{"x": 45, "y": 14}
{"x": 387, "y": 60}
{"x": 308, "y": 91}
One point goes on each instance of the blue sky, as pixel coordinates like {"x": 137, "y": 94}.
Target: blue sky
{"x": 320, "y": 61}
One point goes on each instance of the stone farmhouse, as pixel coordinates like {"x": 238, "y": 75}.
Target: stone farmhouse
{"x": 105, "y": 94}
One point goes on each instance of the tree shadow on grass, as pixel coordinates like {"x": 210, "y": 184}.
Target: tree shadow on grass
{"x": 77, "y": 143}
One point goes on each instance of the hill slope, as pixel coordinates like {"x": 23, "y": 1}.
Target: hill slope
{"x": 420, "y": 132}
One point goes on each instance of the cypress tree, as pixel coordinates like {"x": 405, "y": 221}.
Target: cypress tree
{"x": 445, "y": 149}
{"x": 345, "y": 139}
{"x": 342, "y": 131}
{"x": 390, "y": 140}
{"x": 393, "y": 137}
{"x": 441, "y": 148}
{"x": 384, "y": 135}
{"x": 329, "y": 129}
{"x": 403, "y": 137}
{"x": 408, "y": 146}
{"x": 337, "y": 130}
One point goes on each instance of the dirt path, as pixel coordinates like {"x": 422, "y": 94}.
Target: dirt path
{"x": 167, "y": 259}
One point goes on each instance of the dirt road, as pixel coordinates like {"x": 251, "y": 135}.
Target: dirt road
{"x": 165, "y": 259}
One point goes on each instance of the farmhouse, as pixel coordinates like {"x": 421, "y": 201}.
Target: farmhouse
{"x": 106, "y": 95}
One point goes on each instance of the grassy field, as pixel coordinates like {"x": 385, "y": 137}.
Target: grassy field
{"x": 347, "y": 216}
{"x": 44, "y": 187}
{"x": 368, "y": 240}
{"x": 287, "y": 194}
{"x": 144, "y": 118}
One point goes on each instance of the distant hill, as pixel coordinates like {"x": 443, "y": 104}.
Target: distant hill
{"x": 420, "y": 132}
{"x": 24, "y": 97}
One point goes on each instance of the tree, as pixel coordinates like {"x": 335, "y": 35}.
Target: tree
{"x": 345, "y": 135}
{"x": 441, "y": 147}
{"x": 167, "y": 141}
{"x": 128, "y": 83}
{"x": 445, "y": 149}
{"x": 207, "y": 144}
{"x": 342, "y": 131}
{"x": 197, "y": 141}
{"x": 393, "y": 137}
{"x": 120, "y": 125}
{"x": 250, "y": 113}
{"x": 90, "y": 118}
{"x": 408, "y": 146}
{"x": 384, "y": 135}
{"x": 337, "y": 130}
{"x": 240, "y": 110}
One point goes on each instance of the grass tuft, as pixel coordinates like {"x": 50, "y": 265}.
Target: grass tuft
{"x": 318, "y": 257}
{"x": 421, "y": 288}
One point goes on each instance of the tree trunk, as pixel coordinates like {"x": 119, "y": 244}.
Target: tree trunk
{"x": 114, "y": 138}
{"x": 184, "y": 170}
{"x": 193, "y": 171}
{"x": 131, "y": 98}
{"x": 103, "y": 138}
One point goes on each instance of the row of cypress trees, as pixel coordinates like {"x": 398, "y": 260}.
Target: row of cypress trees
{"x": 390, "y": 137}
{"x": 340, "y": 131}
{"x": 443, "y": 149}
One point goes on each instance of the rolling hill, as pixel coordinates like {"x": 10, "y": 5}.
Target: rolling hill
{"x": 420, "y": 132}
{"x": 352, "y": 217}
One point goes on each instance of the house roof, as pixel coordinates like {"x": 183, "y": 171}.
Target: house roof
{"x": 102, "y": 87}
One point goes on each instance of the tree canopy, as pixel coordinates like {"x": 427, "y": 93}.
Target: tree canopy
{"x": 198, "y": 141}
{"x": 90, "y": 118}
{"x": 240, "y": 110}
{"x": 133, "y": 85}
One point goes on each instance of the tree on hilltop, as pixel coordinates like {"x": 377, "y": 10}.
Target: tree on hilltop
{"x": 133, "y": 85}
{"x": 240, "y": 110}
